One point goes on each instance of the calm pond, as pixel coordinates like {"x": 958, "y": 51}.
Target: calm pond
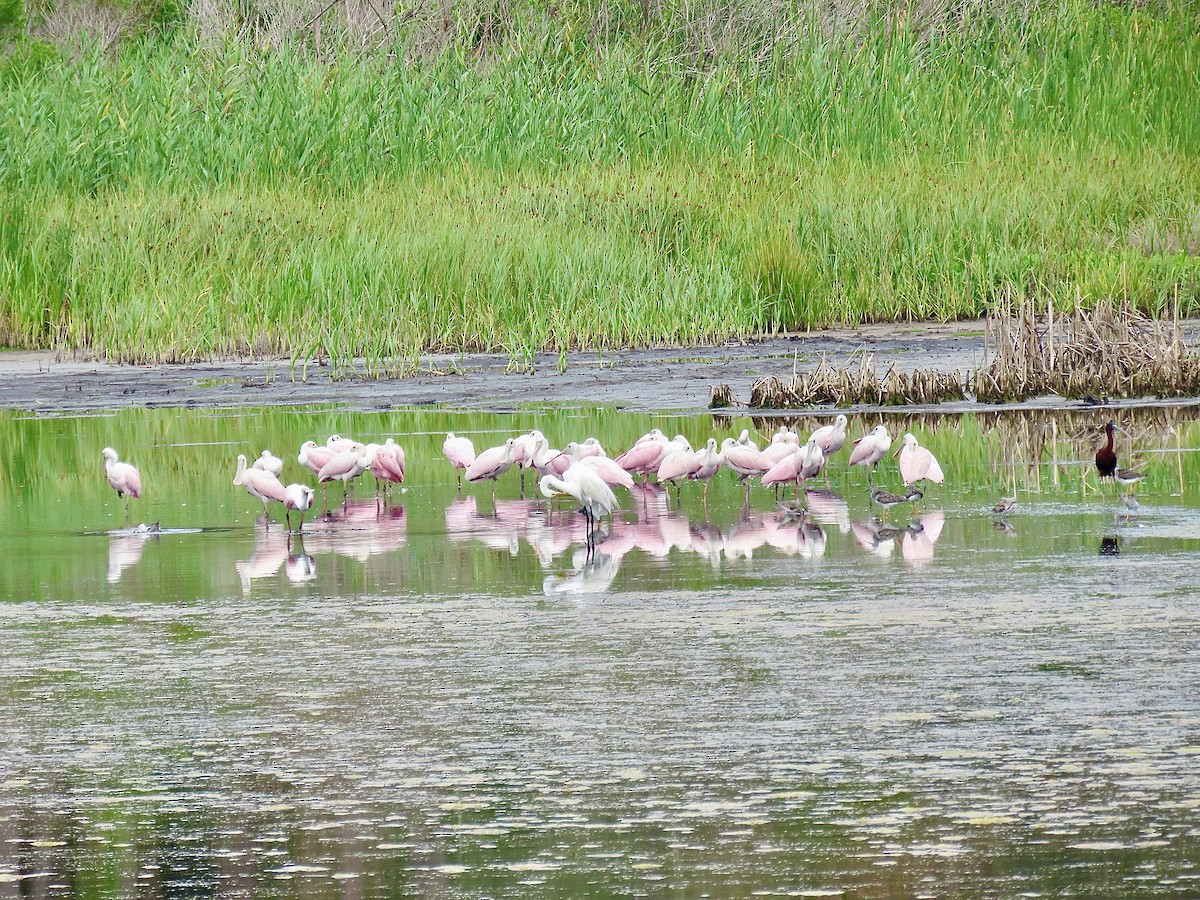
{"x": 447, "y": 697}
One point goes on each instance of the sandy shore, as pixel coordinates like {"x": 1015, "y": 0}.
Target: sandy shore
{"x": 636, "y": 379}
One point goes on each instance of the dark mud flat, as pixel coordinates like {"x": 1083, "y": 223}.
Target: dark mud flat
{"x": 671, "y": 378}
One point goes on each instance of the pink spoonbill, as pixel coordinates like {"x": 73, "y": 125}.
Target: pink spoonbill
{"x": 831, "y": 438}
{"x": 269, "y": 462}
{"x": 122, "y": 478}
{"x": 260, "y": 484}
{"x": 297, "y": 497}
{"x": 461, "y": 453}
{"x": 491, "y": 464}
{"x": 917, "y": 463}
{"x": 871, "y": 448}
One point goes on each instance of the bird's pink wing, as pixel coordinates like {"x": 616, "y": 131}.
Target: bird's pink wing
{"x": 934, "y": 472}
{"x": 783, "y": 471}
{"x": 863, "y": 448}
{"x": 133, "y": 483}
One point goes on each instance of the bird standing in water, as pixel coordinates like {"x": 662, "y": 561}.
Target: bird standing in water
{"x": 887, "y": 500}
{"x": 595, "y": 498}
{"x": 1005, "y": 506}
{"x": 1106, "y": 456}
{"x": 871, "y": 448}
{"x": 122, "y": 478}
{"x": 917, "y": 463}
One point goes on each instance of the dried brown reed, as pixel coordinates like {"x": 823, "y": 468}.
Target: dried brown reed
{"x": 1105, "y": 351}
{"x": 829, "y": 384}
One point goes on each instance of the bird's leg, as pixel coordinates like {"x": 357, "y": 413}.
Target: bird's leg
{"x": 287, "y": 515}
{"x": 522, "y": 482}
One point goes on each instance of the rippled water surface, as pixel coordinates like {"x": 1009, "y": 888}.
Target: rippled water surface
{"x": 446, "y": 696}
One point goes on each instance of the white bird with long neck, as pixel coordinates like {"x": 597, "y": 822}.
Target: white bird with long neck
{"x": 259, "y": 483}
{"x": 595, "y": 498}
{"x": 122, "y": 478}
{"x": 917, "y": 463}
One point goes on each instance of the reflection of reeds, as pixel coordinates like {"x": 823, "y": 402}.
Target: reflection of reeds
{"x": 1105, "y": 351}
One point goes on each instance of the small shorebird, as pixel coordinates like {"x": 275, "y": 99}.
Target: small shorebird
{"x": 886, "y": 499}
{"x": 1005, "y": 506}
{"x": 1128, "y": 477}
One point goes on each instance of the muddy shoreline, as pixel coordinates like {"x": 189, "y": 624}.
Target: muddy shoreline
{"x": 639, "y": 380}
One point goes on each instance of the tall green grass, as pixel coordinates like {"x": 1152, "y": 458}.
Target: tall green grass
{"x": 178, "y": 202}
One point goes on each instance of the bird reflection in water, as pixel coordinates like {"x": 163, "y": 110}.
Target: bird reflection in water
{"x": 592, "y": 573}
{"x": 916, "y": 539}
{"x": 359, "y": 529}
{"x": 1110, "y": 545}
{"x": 299, "y": 566}
{"x": 651, "y": 529}
{"x": 125, "y": 549}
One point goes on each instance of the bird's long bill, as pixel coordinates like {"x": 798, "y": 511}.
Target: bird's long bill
{"x": 897, "y": 453}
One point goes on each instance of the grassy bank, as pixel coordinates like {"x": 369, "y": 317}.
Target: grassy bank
{"x": 179, "y": 201}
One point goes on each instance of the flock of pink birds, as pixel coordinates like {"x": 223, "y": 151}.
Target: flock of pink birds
{"x": 582, "y": 470}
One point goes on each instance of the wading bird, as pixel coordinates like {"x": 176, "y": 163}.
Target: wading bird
{"x": 461, "y": 453}
{"x": 345, "y": 466}
{"x": 122, "y": 478}
{"x": 831, "y": 438}
{"x": 1106, "y": 456}
{"x": 387, "y": 465}
{"x": 298, "y": 497}
{"x": 1005, "y": 506}
{"x": 886, "y": 499}
{"x": 871, "y": 448}
{"x": 1128, "y": 477}
{"x": 260, "y": 484}
{"x": 595, "y": 498}
{"x": 917, "y": 463}
{"x": 491, "y": 464}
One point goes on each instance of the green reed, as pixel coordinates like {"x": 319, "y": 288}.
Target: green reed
{"x": 180, "y": 202}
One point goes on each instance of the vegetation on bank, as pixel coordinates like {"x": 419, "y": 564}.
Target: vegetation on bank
{"x": 178, "y": 197}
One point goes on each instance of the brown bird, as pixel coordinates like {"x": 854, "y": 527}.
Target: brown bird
{"x": 1106, "y": 456}
{"x": 1005, "y": 506}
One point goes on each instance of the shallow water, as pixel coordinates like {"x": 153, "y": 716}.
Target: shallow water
{"x": 448, "y": 697}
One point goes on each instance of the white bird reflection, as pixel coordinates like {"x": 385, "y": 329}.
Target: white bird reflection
{"x": 125, "y": 551}
{"x": 592, "y": 574}
{"x": 654, "y": 531}
{"x": 916, "y": 539}
{"x": 358, "y": 530}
